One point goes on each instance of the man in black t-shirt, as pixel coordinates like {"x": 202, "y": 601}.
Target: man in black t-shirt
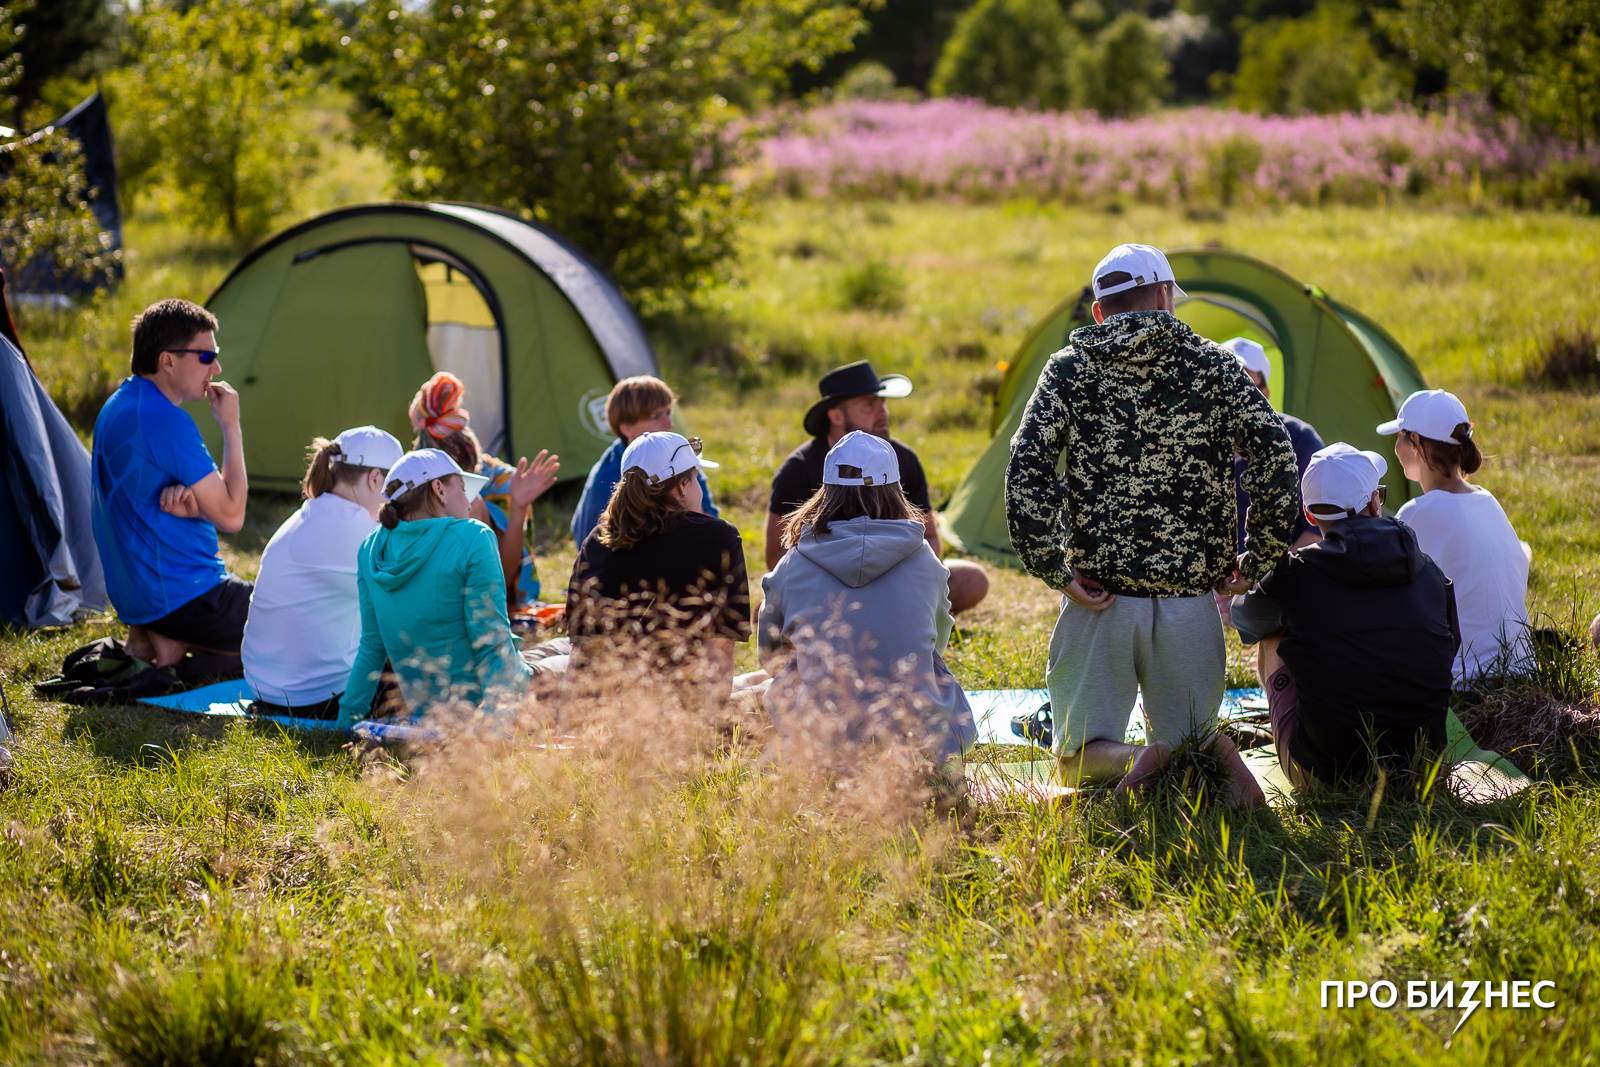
{"x": 1357, "y": 632}
{"x": 853, "y": 398}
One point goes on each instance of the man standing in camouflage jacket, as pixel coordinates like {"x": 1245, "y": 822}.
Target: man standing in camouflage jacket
{"x": 1144, "y": 416}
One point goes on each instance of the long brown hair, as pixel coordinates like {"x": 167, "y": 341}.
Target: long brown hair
{"x": 638, "y": 510}
{"x": 418, "y": 502}
{"x": 326, "y": 471}
{"x": 1460, "y": 453}
{"x": 836, "y": 503}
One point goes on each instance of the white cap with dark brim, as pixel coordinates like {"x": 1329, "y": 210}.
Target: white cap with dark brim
{"x": 425, "y": 465}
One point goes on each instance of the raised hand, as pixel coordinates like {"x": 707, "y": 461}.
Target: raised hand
{"x": 179, "y": 500}
{"x": 224, "y": 400}
{"x": 530, "y": 480}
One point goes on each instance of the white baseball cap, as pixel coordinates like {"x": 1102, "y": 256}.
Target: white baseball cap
{"x": 1433, "y": 413}
{"x": 861, "y": 459}
{"x": 1251, "y": 355}
{"x": 423, "y": 466}
{"x": 1147, "y": 264}
{"x": 1340, "y": 480}
{"x": 662, "y": 454}
{"x": 368, "y": 446}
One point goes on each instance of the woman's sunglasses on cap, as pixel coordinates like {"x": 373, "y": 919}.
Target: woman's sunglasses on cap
{"x": 695, "y": 443}
{"x": 206, "y": 356}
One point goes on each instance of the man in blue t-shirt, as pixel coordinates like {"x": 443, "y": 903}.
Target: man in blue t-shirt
{"x": 158, "y": 497}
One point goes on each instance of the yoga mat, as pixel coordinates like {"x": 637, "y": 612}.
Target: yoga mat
{"x": 233, "y": 700}
{"x": 992, "y": 710}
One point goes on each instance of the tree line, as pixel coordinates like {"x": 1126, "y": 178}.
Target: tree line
{"x": 612, "y": 120}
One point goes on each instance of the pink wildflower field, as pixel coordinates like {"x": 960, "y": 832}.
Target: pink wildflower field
{"x": 965, "y": 148}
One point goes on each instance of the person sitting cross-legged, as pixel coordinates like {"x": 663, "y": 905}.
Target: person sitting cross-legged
{"x": 856, "y": 615}
{"x": 1356, "y": 633}
{"x": 660, "y": 578}
{"x": 305, "y": 614}
{"x": 158, "y": 498}
{"x": 432, "y": 596}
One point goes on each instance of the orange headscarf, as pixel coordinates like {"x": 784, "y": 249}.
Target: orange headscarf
{"x": 436, "y": 409}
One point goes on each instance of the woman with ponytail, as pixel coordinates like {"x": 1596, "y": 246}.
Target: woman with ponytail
{"x": 442, "y": 423}
{"x": 432, "y": 596}
{"x": 305, "y": 621}
{"x": 1464, "y": 530}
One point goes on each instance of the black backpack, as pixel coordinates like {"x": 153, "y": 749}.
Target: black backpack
{"x": 103, "y": 672}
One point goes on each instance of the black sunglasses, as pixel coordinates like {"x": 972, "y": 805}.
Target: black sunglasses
{"x": 206, "y": 356}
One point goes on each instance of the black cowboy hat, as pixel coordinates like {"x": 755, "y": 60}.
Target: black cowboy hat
{"x": 852, "y": 379}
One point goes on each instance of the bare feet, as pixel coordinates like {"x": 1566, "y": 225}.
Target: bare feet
{"x": 167, "y": 652}
{"x": 1145, "y": 767}
{"x": 138, "y": 644}
{"x": 1243, "y": 789}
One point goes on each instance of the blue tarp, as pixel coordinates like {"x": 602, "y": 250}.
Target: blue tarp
{"x": 49, "y": 567}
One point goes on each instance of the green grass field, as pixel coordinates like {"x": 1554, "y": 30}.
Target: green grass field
{"x": 178, "y": 892}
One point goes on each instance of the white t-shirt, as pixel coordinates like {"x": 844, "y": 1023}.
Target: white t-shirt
{"x": 1470, "y": 538}
{"x": 305, "y": 621}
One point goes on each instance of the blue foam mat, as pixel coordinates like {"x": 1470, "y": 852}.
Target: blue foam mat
{"x": 234, "y": 700}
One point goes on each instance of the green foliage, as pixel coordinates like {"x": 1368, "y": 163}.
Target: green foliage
{"x": 205, "y": 112}
{"x": 1324, "y": 62}
{"x": 1123, "y": 72}
{"x": 224, "y": 1014}
{"x": 45, "y": 221}
{"x": 1011, "y": 53}
{"x": 873, "y": 286}
{"x": 1026, "y": 53}
{"x": 606, "y": 120}
{"x": 1537, "y": 59}
{"x": 870, "y": 80}
{"x": 61, "y": 36}
{"x": 11, "y": 72}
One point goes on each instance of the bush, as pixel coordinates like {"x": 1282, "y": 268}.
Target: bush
{"x": 1010, "y": 53}
{"x": 1538, "y": 61}
{"x": 1569, "y": 358}
{"x": 873, "y": 286}
{"x": 1322, "y": 63}
{"x": 606, "y": 120}
{"x": 47, "y": 232}
{"x": 224, "y": 1014}
{"x": 871, "y": 81}
{"x": 1124, "y": 72}
{"x": 204, "y": 113}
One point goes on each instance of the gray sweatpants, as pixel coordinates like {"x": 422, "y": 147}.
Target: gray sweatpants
{"x": 1169, "y": 647}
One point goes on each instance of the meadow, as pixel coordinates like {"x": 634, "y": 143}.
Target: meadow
{"x": 181, "y": 892}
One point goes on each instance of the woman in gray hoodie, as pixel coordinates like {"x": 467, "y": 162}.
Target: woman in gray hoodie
{"x": 856, "y": 614}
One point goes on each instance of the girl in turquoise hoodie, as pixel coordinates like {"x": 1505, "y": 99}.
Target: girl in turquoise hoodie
{"x": 432, "y": 596}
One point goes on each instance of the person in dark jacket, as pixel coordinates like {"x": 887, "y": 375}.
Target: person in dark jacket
{"x": 1143, "y": 416}
{"x": 1357, "y": 633}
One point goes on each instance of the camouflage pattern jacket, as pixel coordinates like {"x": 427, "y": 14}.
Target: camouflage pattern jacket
{"x": 1145, "y": 416}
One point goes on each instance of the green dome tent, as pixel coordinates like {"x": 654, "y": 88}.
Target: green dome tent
{"x": 1331, "y": 366}
{"x": 337, "y": 321}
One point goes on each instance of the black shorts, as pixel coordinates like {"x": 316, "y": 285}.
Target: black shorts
{"x": 327, "y": 711}
{"x": 213, "y": 620}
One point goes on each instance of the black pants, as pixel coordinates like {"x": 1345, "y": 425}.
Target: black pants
{"x": 214, "y": 619}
